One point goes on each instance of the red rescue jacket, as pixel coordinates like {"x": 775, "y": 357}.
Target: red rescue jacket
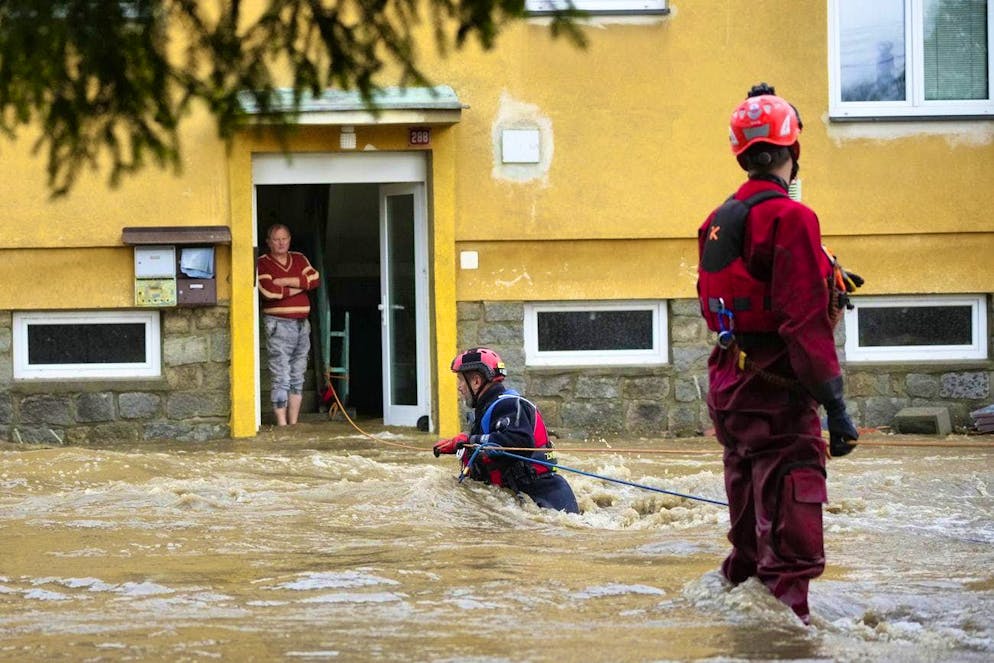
{"x": 783, "y": 272}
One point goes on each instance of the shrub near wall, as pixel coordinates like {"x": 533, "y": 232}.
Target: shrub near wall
{"x": 670, "y": 400}
{"x": 190, "y": 402}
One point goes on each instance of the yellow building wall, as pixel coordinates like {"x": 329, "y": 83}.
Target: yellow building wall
{"x": 637, "y": 155}
{"x": 640, "y": 152}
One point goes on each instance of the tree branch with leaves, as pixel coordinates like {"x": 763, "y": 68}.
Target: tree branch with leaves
{"x": 114, "y": 78}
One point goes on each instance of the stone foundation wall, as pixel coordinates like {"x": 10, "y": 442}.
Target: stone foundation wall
{"x": 660, "y": 401}
{"x": 190, "y": 402}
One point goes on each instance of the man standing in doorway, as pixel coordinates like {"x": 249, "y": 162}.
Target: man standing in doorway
{"x": 285, "y": 277}
{"x": 765, "y": 285}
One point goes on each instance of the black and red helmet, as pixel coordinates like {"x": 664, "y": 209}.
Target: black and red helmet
{"x": 484, "y": 360}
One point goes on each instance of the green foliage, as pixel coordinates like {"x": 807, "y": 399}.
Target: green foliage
{"x": 115, "y": 77}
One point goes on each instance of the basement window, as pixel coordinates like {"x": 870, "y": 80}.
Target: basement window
{"x": 603, "y": 333}
{"x": 926, "y": 328}
{"x": 86, "y": 344}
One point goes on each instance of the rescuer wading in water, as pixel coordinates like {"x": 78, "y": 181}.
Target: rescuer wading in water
{"x": 768, "y": 287}
{"x": 504, "y": 419}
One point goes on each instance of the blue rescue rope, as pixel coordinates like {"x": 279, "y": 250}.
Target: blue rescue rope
{"x": 464, "y": 472}
{"x": 494, "y": 452}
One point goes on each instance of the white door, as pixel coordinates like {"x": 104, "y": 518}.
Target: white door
{"x": 404, "y": 304}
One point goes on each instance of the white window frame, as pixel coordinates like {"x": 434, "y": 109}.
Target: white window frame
{"x": 658, "y": 355}
{"x": 151, "y": 367}
{"x": 977, "y": 349}
{"x": 916, "y": 106}
{"x": 599, "y": 6}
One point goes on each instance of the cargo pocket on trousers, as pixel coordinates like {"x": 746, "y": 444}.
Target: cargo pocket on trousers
{"x": 799, "y": 526}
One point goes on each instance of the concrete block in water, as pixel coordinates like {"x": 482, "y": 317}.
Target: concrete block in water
{"x": 923, "y": 421}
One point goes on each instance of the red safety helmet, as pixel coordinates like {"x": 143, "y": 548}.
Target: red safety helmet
{"x": 763, "y": 119}
{"x": 484, "y": 360}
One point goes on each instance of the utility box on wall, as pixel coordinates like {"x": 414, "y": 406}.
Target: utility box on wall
{"x": 167, "y": 276}
{"x": 155, "y": 276}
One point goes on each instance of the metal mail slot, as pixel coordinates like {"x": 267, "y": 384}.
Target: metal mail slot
{"x": 196, "y": 292}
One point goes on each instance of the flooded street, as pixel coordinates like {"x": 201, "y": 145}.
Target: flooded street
{"x": 319, "y": 544}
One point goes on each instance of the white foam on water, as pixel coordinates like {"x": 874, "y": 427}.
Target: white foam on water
{"x": 266, "y": 604}
{"x": 335, "y": 580}
{"x": 748, "y": 602}
{"x": 350, "y": 597}
{"x": 45, "y": 595}
{"x": 615, "y": 589}
{"x": 327, "y": 653}
{"x": 465, "y": 599}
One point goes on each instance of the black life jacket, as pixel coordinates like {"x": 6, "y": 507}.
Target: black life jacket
{"x": 543, "y": 444}
{"x": 723, "y": 282}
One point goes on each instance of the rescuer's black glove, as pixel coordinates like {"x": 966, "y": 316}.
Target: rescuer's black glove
{"x": 842, "y": 434}
{"x": 841, "y": 431}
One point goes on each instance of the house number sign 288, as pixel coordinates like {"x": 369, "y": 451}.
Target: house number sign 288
{"x": 419, "y": 136}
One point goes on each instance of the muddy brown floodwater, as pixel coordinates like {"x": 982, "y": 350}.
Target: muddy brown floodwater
{"x": 320, "y": 544}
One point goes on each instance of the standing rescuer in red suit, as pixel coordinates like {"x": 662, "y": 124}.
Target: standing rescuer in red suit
{"x": 766, "y": 285}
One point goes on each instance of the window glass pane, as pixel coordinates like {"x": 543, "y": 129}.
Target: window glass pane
{"x": 956, "y": 49}
{"x": 402, "y": 305}
{"x": 915, "y": 325}
{"x": 121, "y": 343}
{"x": 594, "y": 330}
{"x": 872, "y": 50}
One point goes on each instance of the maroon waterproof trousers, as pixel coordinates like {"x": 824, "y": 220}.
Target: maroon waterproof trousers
{"x": 775, "y": 481}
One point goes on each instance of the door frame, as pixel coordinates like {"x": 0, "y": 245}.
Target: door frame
{"x": 379, "y": 167}
{"x": 407, "y": 415}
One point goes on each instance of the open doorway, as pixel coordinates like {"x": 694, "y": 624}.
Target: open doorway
{"x": 337, "y": 227}
{"x": 361, "y": 218}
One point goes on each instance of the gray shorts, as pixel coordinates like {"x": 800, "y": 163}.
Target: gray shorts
{"x": 288, "y": 343}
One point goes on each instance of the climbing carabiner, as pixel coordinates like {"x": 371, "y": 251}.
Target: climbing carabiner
{"x": 726, "y": 335}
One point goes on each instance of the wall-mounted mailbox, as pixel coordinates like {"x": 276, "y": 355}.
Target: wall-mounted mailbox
{"x": 155, "y": 292}
{"x": 155, "y": 276}
{"x": 174, "y": 266}
{"x": 196, "y": 292}
{"x": 196, "y": 284}
{"x": 155, "y": 262}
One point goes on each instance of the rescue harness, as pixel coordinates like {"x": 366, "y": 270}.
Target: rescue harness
{"x": 730, "y": 295}
{"x": 520, "y": 469}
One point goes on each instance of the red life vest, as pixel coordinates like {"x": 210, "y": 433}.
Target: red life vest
{"x": 543, "y": 445}
{"x": 724, "y": 285}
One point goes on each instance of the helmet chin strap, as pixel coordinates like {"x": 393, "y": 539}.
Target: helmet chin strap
{"x": 795, "y": 156}
{"x": 474, "y": 395}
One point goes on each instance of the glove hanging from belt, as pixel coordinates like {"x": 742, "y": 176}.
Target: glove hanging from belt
{"x": 841, "y": 284}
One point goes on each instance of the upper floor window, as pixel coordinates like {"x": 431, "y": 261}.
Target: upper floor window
{"x": 911, "y": 58}
{"x": 599, "y": 6}
{"x": 86, "y": 344}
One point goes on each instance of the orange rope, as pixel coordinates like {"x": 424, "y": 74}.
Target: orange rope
{"x": 677, "y": 452}
{"x": 937, "y": 443}
{"x": 399, "y": 445}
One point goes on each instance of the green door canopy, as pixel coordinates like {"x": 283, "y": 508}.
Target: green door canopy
{"x": 392, "y": 105}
